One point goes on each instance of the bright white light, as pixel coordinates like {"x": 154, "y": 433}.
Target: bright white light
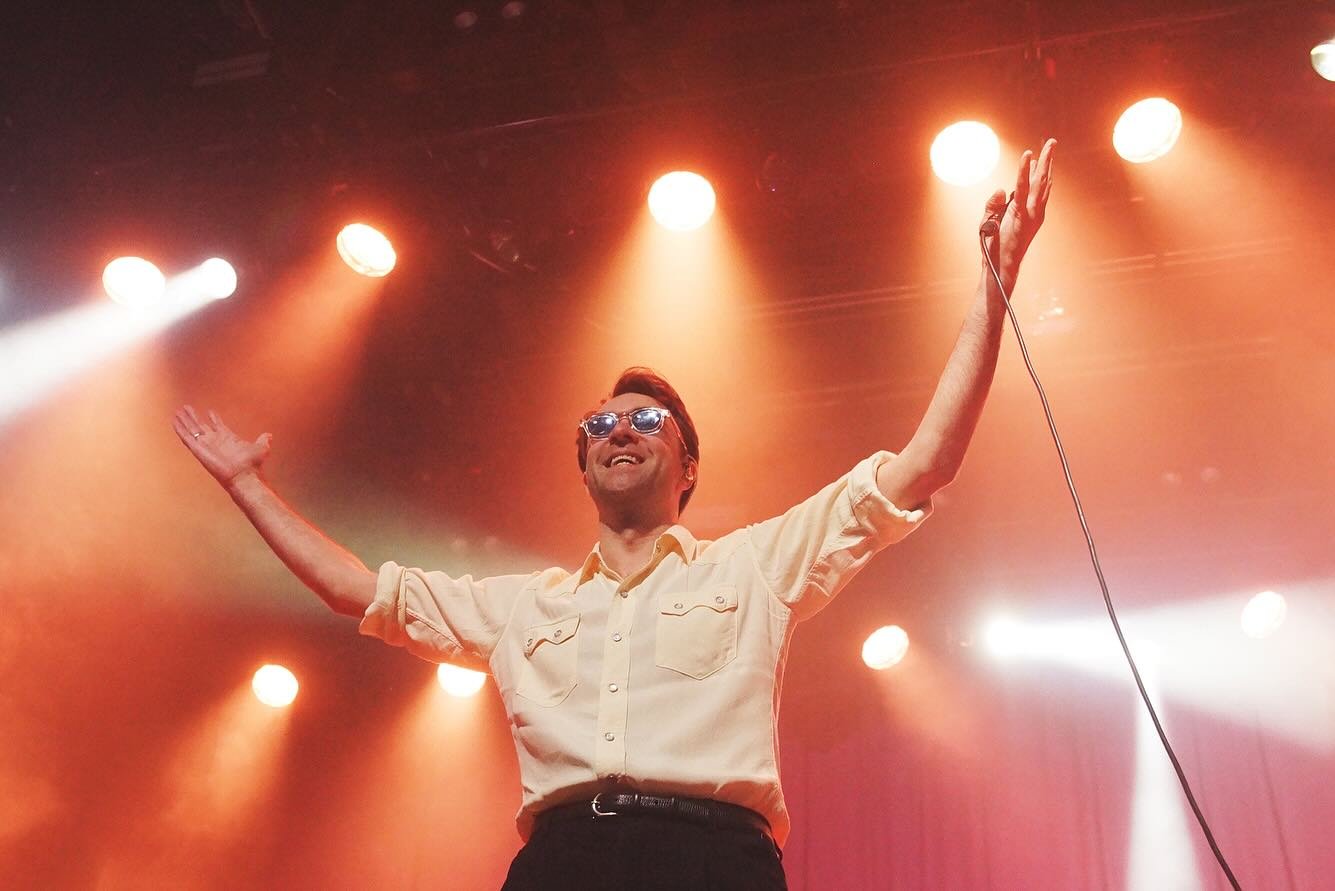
{"x": 460, "y": 682}
{"x": 217, "y": 278}
{"x": 1004, "y": 637}
{"x": 1147, "y": 130}
{"x": 1263, "y": 614}
{"x": 1162, "y": 854}
{"x": 39, "y": 356}
{"x": 681, "y": 200}
{"x": 274, "y": 686}
{"x": 133, "y": 282}
{"x": 367, "y": 251}
{"x": 1323, "y": 59}
{"x": 214, "y": 279}
{"x": 885, "y": 647}
{"x": 965, "y": 153}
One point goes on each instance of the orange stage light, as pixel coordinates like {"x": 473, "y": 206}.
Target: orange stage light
{"x": 274, "y": 686}
{"x": 366, "y": 250}
{"x": 682, "y": 200}
{"x": 885, "y": 647}
{"x": 459, "y": 682}
{"x": 1147, "y": 130}
{"x": 133, "y": 281}
{"x": 965, "y": 153}
{"x": 1323, "y": 59}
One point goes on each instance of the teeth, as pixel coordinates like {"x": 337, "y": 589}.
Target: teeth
{"x": 620, "y": 459}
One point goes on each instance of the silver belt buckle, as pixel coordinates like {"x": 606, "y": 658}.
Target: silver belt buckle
{"x": 597, "y": 812}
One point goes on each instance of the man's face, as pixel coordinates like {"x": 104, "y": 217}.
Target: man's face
{"x": 629, "y": 467}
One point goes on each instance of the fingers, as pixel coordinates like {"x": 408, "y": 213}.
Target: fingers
{"x": 1045, "y": 158}
{"x": 217, "y": 420}
{"x": 1022, "y": 179}
{"x": 183, "y": 430}
{"x": 193, "y": 421}
{"x": 190, "y": 428}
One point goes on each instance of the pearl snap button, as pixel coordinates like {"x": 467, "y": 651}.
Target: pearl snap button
{"x": 616, "y": 637}
{"x": 676, "y": 606}
{"x": 558, "y": 633}
{"x": 613, "y": 687}
{"x": 718, "y": 599}
{"x": 609, "y": 736}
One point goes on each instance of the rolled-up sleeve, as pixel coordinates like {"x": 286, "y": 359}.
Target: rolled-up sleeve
{"x": 440, "y": 618}
{"x": 810, "y": 552}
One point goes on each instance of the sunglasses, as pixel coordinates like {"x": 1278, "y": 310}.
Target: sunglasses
{"x": 642, "y": 420}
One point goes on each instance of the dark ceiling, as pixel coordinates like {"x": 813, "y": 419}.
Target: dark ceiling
{"x": 512, "y": 156}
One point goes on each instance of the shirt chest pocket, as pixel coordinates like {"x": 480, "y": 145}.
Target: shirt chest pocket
{"x": 697, "y": 631}
{"x": 547, "y": 674}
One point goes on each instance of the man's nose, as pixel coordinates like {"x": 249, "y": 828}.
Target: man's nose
{"x": 623, "y": 431}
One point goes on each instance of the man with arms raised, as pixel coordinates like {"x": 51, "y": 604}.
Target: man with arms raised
{"x": 642, "y": 689}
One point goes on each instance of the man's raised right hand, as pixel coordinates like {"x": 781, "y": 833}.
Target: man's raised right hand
{"x": 225, "y": 455}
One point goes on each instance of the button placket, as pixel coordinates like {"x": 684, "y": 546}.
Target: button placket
{"x": 613, "y": 697}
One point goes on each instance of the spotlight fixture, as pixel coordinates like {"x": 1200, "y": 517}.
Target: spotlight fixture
{"x": 133, "y": 282}
{"x": 274, "y": 686}
{"x": 366, "y": 250}
{"x": 885, "y": 647}
{"x": 1147, "y": 130}
{"x": 459, "y": 682}
{"x": 1323, "y": 59}
{"x": 681, "y": 200}
{"x": 217, "y": 278}
{"x": 1005, "y": 637}
{"x": 965, "y": 153}
{"x": 1263, "y": 614}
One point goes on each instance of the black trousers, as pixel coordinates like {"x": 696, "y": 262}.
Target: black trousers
{"x": 644, "y": 852}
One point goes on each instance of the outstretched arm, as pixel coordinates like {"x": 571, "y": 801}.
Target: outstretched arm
{"x": 933, "y": 456}
{"x": 331, "y": 571}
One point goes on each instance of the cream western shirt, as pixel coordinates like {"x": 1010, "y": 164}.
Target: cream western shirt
{"x": 666, "y": 681}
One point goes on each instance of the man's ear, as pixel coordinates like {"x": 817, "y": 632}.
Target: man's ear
{"x": 691, "y": 472}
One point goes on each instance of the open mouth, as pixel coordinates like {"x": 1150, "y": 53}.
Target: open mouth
{"x": 624, "y": 459}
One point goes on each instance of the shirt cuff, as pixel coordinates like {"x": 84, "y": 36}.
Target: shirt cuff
{"x": 876, "y": 512}
{"x": 396, "y": 615}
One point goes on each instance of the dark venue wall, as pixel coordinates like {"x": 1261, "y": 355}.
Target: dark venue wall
{"x": 1180, "y": 313}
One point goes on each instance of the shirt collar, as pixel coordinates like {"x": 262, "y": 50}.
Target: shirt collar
{"x": 675, "y": 538}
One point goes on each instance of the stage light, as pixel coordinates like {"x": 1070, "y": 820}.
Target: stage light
{"x": 274, "y": 686}
{"x": 133, "y": 281}
{"x": 367, "y": 251}
{"x": 681, "y": 200}
{"x": 217, "y": 278}
{"x": 1004, "y": 637}
{"x": 965, "y": 153}
{"x": 1147, "y": 130}
{"x": 1263, "y": 614}
{"x": 1323, "y": 59}
{"x": 885, "y": 647}
{"x": 460, "y": 682}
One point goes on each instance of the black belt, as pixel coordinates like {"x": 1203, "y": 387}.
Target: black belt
{"x": 704, "y": 811}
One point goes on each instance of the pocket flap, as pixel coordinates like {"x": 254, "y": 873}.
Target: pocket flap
{"x": 679, "y": 604}
{"x": 557, "y": 632}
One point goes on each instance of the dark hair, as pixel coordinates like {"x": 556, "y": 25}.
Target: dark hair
{"x": 648, "y": 382}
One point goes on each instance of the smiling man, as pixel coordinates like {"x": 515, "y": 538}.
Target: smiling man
{"x": 643, "y": 688}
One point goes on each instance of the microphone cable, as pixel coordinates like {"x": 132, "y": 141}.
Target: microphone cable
{"x": 991, "y": 227}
